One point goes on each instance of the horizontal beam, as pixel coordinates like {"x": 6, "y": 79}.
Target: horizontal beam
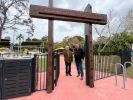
{"x": 44, "y": 12}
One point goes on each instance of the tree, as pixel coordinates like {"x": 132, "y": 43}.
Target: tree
{"x": 45, "y": 42}
{"x": 35, "y": 39}
{"x": 70, "y": 41}
{"x": 113, "y": 26}
{"x": 45, "y": 38}
{"x": 7, "y": 38}
{"x": 28, "y": 39}
{"x": 129, "y": 21}
{"x": 13, "y": 16}
{"x": 121, "y": 41}
{"x": 118, "y": 42}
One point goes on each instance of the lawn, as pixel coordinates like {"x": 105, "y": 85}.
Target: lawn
{"x": 42, "y": 63}
{"x": 129, "y": 72}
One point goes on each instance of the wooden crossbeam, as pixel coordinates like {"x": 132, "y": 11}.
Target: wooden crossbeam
{"x": 67, "y": 15}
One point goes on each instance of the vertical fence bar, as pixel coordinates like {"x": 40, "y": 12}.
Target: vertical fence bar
{"x": 94, "y": 67}
{"x": 54, "y": 71}
{"x": 37, "y": 72}
{"x": 33, "y": 77}
{"x": 1, "y": 80}
{"x": 103, "y": 66}
{"x": 97, "y": 66}
{"x": 44, "y": 60}
{"x": 100, "y": 65}
{"x": 40, "y": 67}
{"x": 46, "y": 69}
{"x": 108, "y": 66}
{"x": 106, "y": 69}
{"x": 111, "y": 65}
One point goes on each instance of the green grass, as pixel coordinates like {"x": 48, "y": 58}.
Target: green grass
{"x": 42, "y": 63}
{"x": 129, "y": 72}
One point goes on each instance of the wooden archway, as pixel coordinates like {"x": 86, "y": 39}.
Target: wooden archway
{"x": 86, "y": 17}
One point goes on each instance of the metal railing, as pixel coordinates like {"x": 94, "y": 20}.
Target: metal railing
{"x": 103, "y": 65}
{"x": 124, "y": 72}
{"x": 116, "y": 73}
{"x": 56, "y": 65}
{"x": 125, "y": 65}
{"x": 39, "y": 71}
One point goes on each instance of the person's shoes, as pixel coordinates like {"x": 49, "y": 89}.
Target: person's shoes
{"x": 81, "y": 78}
{"x": 78, "y": 75}
{"x": 66, "y": 74}
{"x": 70, "y": 74}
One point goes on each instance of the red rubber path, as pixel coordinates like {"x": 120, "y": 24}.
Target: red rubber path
{"x": 72, "y": 88}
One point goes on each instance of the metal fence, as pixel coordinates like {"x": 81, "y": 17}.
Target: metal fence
{"x": 39, "y": 71}
{"x": 104, "y": 65}
{"x": 56, "y": 68}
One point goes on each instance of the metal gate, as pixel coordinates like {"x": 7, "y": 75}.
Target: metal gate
{"x": 104, "y": 64}
{"x": 39, "y": 71}
{"x": 56, "y": 68}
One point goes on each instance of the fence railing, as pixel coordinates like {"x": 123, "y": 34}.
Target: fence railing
{"x": 56, "y": 65}
{"x": 39, "y": 71}
{"x": 104, "y": 65}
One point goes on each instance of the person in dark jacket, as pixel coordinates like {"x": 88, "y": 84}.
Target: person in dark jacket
{"x": 79, "y": 56}
{"x": 68, "y": 58}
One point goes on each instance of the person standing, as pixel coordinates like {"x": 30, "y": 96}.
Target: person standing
{"x": 68, "y": 58}
{"x": 79, "y": 56}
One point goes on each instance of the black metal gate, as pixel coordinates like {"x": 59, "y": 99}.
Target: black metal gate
{"x": 56, "y": 65}
{"x": 39, "y": 71}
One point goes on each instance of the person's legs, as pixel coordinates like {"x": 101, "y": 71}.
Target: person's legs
{"x": 78, "y": 70}
{"x": 69, "y": 70}
{"x": 66, "y": 68}
{"x": 81, "y": 70}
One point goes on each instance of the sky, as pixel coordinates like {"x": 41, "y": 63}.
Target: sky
{"x": 63, "y": 29}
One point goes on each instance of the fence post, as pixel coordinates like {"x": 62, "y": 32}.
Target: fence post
{"x": 1, "y": 80}
{"x": 33, "y": 70}
{"x": 125, "y": 56}
{"x": 53, "y": 71}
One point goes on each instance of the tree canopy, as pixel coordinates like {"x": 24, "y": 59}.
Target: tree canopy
{"x": 13, "y": 16}
{"x": 118, "y": 42}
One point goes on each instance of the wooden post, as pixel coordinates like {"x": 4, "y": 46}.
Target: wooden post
{"x": 89, "y": 61}
{"x": 50, "y": 52}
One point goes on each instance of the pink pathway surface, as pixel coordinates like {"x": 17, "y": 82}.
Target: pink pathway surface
{"x": 72, "y": 88}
